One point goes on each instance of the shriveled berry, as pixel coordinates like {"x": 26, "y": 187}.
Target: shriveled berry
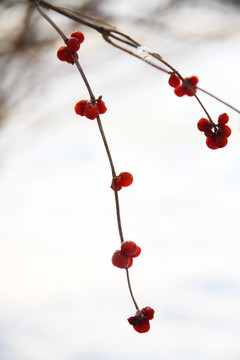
{"x": 73, "y": 44}
{"x": 91, "y": 110}
{"x": 79, "y": 35}
{"x": 126, "y": 178}
{"x": 133, "y": 320}
{"x": 129, "y": 248}
{"x": 80, "y": 106}
{"x": 120, "y": 260}
{"x": 148, "y": 312}
{"x": 223, "y": 119}
{"x": 174, "y": 80}
{"x": 203, "y": 124}
{"x": 142, "y": 326}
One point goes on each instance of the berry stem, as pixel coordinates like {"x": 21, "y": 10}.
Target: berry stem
{"x": 50, "y": 21}
{"x": 130, "y": 290}
{"x": 218, "y": 99}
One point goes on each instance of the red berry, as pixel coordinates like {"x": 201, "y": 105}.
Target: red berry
{"x": 133, "y": 320}
{"x": 79, "y": 35}
{"x": 225, "y": 130}
{"x": 101, "y": 106}
{"x": 118, "y": 183}
{"x": 174, "y": 80}
{"x": 138, "y": 252}
{"x": 129, "y": 248}
{"x": 210, "y": 142}
{"x": 80, "y": 106}
{"x": 220, "y": 141}
{"x": 126, "y": 178}
{"x": 148, "y": 312}
{"x": 91, "y": 110}
{"x": 120, "y": 260}
{"x": 130, "y": 263}
{"x": 142, "y": 325}
{"x": 188, "y": 92}
{"x": 223, "y": 119}
{"x": 61, "y": 54}
{"x": 193, "y": 80}
{"x": 209, "y": 133}
{"x": 64, "y": 54}
{"x": 73, "y": 44}
{"x": 203, "y": 124}
{"x": 180, "y": 91}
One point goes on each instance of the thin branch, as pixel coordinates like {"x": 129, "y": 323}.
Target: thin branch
{"x": 109, "y": 32}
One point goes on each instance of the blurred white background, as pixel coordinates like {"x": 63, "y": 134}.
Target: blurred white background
{"x": 60, "y": 296}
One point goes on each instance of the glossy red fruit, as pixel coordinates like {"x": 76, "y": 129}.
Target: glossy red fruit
{"x": 80, "y": 107}
{"x": 174, "y": 80}
{"x": 129, "y": 248}
{"x": 223, "y": 119}
{"x": 138, "y": 252}
{"x": 148, "y": 312}
{"x": 73, "y": 44}
{"x": 91, "y": 110}
{"x": 101, "y": 106}
{"x": 126, "y": 178}
{"x": 120, "y": 260}
{"x": 79, "y": 35}
{"x": 203, "y": 124}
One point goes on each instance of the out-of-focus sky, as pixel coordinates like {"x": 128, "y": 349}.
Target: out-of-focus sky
{"x": 60, "y": 296}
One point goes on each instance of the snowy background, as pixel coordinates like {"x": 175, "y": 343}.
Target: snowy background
{"x": 60, "y": 296}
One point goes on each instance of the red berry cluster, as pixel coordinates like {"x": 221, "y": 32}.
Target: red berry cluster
{"x": 140, "y": 321}
{"x": 123, "y": 179}
{"x": 73, "y": 45}
{"x": 180, "y": 88}
{"x": 90, "y": 109}
{"x": 217, "y": 137}
{"x": 123, "y": 258}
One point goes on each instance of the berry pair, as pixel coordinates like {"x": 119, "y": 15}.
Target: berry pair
{"x": 217, "y": 137}
{"x": 180, "y": 88}
{"x": 73, "y": 45}
{"x": 90, "y": 109}
{"x": 140, "y": 321}
{"x": 123, "y": 258}
{"x": 123, "y": 179}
